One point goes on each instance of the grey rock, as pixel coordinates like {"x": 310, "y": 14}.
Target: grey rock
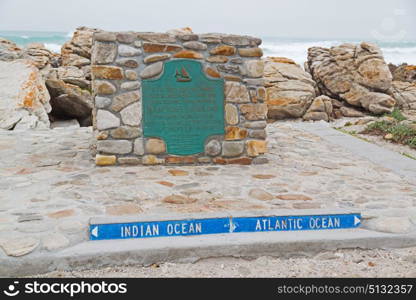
{"x": 114, "y": 146}
{"x": 122, "y": 100}
{"x": 131, "y": 75}
{"x": 238, "y": 40}
{"x": 232, "y": 69}
{"x": 257, "y": 134}
{"x": 105, "y": 36}
{"x": 236, "y": 60}
{"x": 128, "y": 51}
{"x": 255, "y": 81}
{"x": 103, "y": 53}
{"x": 106, "y": 119}
{"x": 231, "y": 149}
{"x": 127, "y": 62}
{"x": 236, "y": 92}
{"x": 404, "y": 93}
{"x": 102, "y": 102}
{"x": 255, "y": 124}
{"x": 195, "y": 45}
{"x": 102, "y": 87}
{"x": 126, "y": 37}
{"x": 130, "y": 160}
{"x": 253, "y": 68}
{"x": 156, "y": 37}
{"x": 156, "y": 57}
{"x": 132, "y": 85}
{"x": 152, "y": 70}
{"x": 125, "y": 132}
{"x": 211, "y": 38}
{"x": 350, "y": 112}
{"x": 132, "y": 114}
{"x": 139, "y": 146}
{"x": 213, "y": 147}
{"x": 188, "y": 37}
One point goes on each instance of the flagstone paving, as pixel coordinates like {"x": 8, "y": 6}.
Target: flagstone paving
{"x": 50, "y": 186}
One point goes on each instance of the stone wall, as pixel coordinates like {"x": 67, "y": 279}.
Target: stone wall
{"x": 120, "y": 61}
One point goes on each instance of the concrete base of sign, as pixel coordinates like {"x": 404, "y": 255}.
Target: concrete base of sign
{"x": 145, "y": 252}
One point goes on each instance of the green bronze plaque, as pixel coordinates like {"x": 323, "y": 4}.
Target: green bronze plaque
{"x": 183, "y": 107}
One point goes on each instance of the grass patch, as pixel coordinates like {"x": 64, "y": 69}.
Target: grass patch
{"x": 401, "y": 133}
{"x": 408, "y": 155}
{"x": 397, "y": 114}
{"x": 352, "y": 133}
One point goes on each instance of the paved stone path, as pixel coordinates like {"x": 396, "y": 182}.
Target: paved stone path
{"x": 50, "y": 187}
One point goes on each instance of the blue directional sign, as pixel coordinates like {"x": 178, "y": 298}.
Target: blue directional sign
{"x": 159, "y": 229}
{"x": 291, "y": 223}
{"x": 227, "y": 225}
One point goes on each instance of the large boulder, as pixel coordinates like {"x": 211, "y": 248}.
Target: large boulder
{"x": 68, "y": 99}
{"x": 404, "y": 93}
{"x": 24, "y": 99}
{"x": 356, "y": 74}
{"x": 290, "y": 90}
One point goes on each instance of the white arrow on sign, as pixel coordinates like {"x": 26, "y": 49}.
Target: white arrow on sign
{"x": 356, "y": 220}
{"x": 94, "y": 232}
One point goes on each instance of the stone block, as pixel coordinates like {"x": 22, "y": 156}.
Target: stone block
{"x": 114, "y": 146}
{"x": 230, "y": 149}
{"x": 105, "y": 160}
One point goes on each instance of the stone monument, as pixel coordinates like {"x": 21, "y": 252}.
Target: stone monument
{"x": 178, "y": 99}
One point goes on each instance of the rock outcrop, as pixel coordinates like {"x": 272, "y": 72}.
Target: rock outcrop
{"x": 70, "y": 83}
{"x": 77, "y": 51}
{"x": 24, "y": 99}
{"x": 68, "y": 100}
{"x": 320, "y": 109}
{"x": 9, "y": 51}
{"x": 356, "y": 74}
{"x": 290, "y": 90}
{"x": 404, "y": 72}
{"x": 41, "y": 57}
{"x": 404, "y": 93}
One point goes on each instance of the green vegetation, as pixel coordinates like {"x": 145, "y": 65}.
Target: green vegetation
{"x": 400, "y": 133}
{"x": 408, "y": 155}
{"x": 397, "y": 114}
{"x": 352, "y": 133}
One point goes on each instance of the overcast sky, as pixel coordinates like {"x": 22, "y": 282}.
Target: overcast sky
{"x": 285, "y": 18}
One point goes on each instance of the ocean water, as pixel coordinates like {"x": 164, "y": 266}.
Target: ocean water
{"x": 396, "y": 52}
{"x": 52, "y": 40}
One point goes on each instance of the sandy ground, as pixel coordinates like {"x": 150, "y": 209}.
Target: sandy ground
{"x": 342, "y": 263}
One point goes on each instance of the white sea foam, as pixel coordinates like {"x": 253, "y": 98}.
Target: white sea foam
{"x": 53, "y": 47}
{"x": 298, "y": 51}
{"x": 70, "y": 34}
